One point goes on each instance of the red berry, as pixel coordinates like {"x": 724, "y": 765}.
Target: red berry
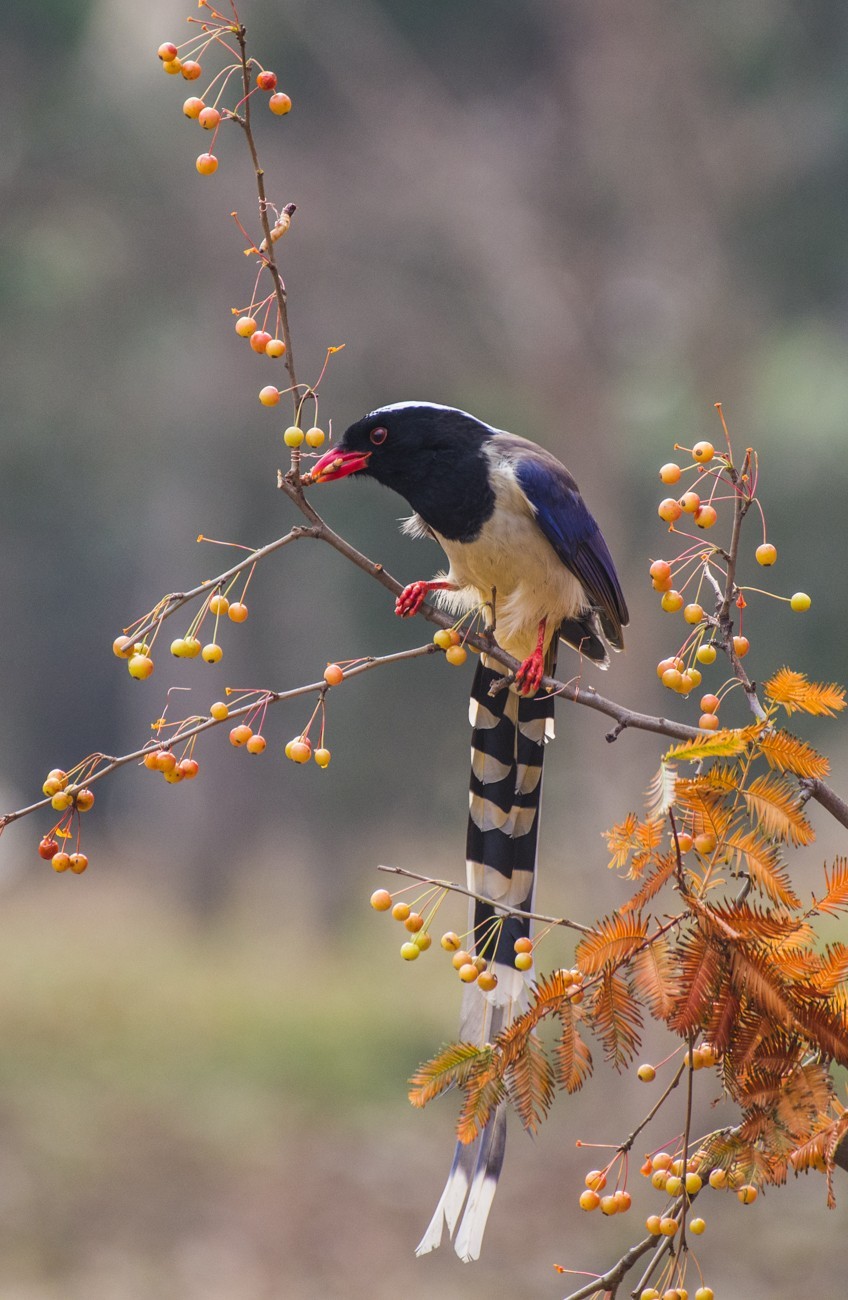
{"x": 48, "y": 848}
{"x": 266, "y": 80}
{"x": 279, "y": 103}
{"x": 191, "y": 70}
{"x": 741, "y": 645}
{"x": 189, "y": 768}
{"x": 260, "y": 340}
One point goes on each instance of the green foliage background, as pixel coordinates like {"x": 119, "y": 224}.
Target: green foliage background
{"x": 583, "y": 222}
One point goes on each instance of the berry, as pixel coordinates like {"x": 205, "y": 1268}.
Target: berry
{"x": 697, "y": 1226}
{"x": 487, "y": 981}
{"x": 741, "y": 645}
{"x": 690, "y": 502}
{"x": 140, "y": 667}
{"x": 705, "y": 843}
{"x": 208, "y": 117}
{"x": 293, "y": 436}
{"x": 706, "y": 654}
{"x": 646, "y": 1073}
{"x": 442, "y": 639}
{"x": 423, "y": 940}
{"x": 710, "y": 703}
{"x": 237, "y": 613}
{"x": 609, "y": 1205}
{"x": 685, "y": 842}
{"x": 207, "y": 164}
{"x": 275, "y": 348}
{"x": 589, "y": 1200}
{"x": 150, "y": 760}
{"x": 660, "y": 570}
{"x": 652, "y": 1223}
{"x": 256, "y": 745}
{"x": 172, "y": 66}
{"x": 192, "y": 647}
{"x": 800, "y": 602}
{"x": 381, "y": 900}
{"x": 766, "y": 554}
{"x": 673, "y": 1185}
{"x": 456, "y": 655}
{"x": 218, "y": 604}
{"x": 300, "y": 750}
{"x": 167, "y": 51}
{"x": 189, "y": 767}
{"x": 123, "y": 646}
{"x": 691, "y": 678}
{"x": 623, "y": 1200}
{"x": 662, "y": 1160}
{"x": 668, "y": 1227}
{"x": 245, "y": 326}
{"x": 703, "y": 452}
{"x": 178, "y": 648}
{"x": 212, "y": 653}
{"x": 164, "y": 761}
{"x": 664, "y": 665}
{"x": 705, "y": 517}
{"x": 693, "y": 1184}
{"x": 650, "y": 1293}
{"x": 659, "y": 1178}
{"x": 523, "y": 960}
{"x": 266, "y": 80}
{"x": 672, "y": 601}
{"x": 460, "y": 959}
{"x": 240, "y": 734}
{"x": 322, "y": 757}
{"x": 596, "y": 1179}
{"x": 704, "y": 1292}
{"x": 693, "y": 613}
{"x": 174, "y": 776}
{"x": 51, "y": 786}
{"x": 269, "y": 396}
{"x": 523, "y": 945}
{"x": 669, "y": 510}
{"x": 747, "y": 1194}
{"x": 468, "y": 973}
{"x": 315, "y": 437}
{"x": 78, "y": 863}
{"x": 333, "y": 675}
{"x": 450, "y": 941}
{"x": 259, "y": 340}
{"x": 48, "y": 848}
{"x": 409, "y": 951}
{"x": 708, "y": 722}
{"x": 84, "y": 800}
{"x": 61, "y": 861}
{"x": 670, "y": 473}
{"x": 279, "y": 103}
{"x": 401, "y": 911}
{"x": 414, "y": 922}
{"x": 718, "y": 1178}
{"x": 193, "y": 106}
{"x": 191, "y": 70}
{"x": 219, "y": 711}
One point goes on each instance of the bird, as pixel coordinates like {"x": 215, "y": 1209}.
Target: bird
{"x": 525, "y": 553}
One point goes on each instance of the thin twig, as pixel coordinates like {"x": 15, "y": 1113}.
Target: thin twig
{"x": 481, "y": 898}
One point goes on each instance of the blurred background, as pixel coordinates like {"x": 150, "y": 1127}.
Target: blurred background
{"x": 585, "y": 223}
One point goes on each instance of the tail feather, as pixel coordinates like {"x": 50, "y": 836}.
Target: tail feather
{"x": 509, "y": 733}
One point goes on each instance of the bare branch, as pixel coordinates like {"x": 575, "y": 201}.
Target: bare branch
{"x": 500, "y": 909}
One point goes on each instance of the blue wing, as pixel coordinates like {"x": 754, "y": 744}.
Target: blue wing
{"x": 562, "y": 515}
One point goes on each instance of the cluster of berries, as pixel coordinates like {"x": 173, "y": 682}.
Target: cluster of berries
{"x": 173, "y": 769}
{"x": 137, "y": 653}
{"x": 449, "y": 640}
{"x": 69, "y": 800}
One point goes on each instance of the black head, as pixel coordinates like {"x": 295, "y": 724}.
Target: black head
{"x": 432, "y": 455}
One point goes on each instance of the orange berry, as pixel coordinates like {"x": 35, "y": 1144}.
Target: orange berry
{"x": 705, "y": 517}
{"x": 191, "y": 70}
{"x": 623, "y": 1200}
{"x": 207, "y": 164}
{"x": 256, "y": 745}
{"x": 689, "y": 502}
{"x": 401, "y": 911}
{"x": 140, "y": 667}
{"x": 468, "y": 973}
{"x": 660, "y": 570}
{"x": 652, "y": 1223}
{"x": 240, "y": 734}
{"x": 381, "y": 900}
{"x": 672, "y": 679}
{"x": 708, "y": 722}
{"x": 193, "y": 107}
{"x": 670, "y": 473}
{"x": 706, "y": 654}
{"x": 523, "y": 944}
{"x": 456, "y": 655}
{"x": 705, "y": 843}
{"x": 703, "y": 452}
{"x": 189, "y": 767}
{"x": 219, "y": 711}
{"x": 123, "y": 646}
{"x": 665, "y": 664}
{"x": 275, "y": 348}
{"x": 450, "y": 941}
{"x": 460, "y": 959}
{"x": 659, "y": 1178}
{"x": 609, "y": 1205}
{"x": 668, "y": 1227}
{"x": 596, "y": 1179}
{"x": 662, "y": 584}
{"x": 693, "y": 613}
{"x": 84, "y": 800}
{"x": 315, "y": 437}
{"x": 245, "y": 326}
{"x": 718, "y": 1178}
{"x": 172, "y": 66}
{"x": 747, "y": 1194}
{"x": 685, "y": 842}
{"x": 167, "y": 51}
{"x": 669, "y": 510}
{"x": 589, "y": 1200}
{"x": 237, "y": 612}
{"x": 279, "y": 103}
{"x": 662, "y": 1160}
{"x": 60, "y": 861}
{"x": 151, "y": 760}
{"x": 333, "y": 675}
{"x": 710, "y": 703}
{"x": 693, "y": 676}
{"x": 414, "y": 922}
{"x": 766, "y": 554}
{"x": 299, "y": 751}
{"x": 487, "y": 981}
{"x": 259, "y": 340}
{"x": 207, "y": 117}
{"x": 78, "y": 863}
{"x": 741, "y": 645}
{"x": 269, "y": 395}
{"x": 671, "y": 602}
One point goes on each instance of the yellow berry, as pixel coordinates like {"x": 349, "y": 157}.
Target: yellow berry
{"x": 401, "y": 911}
{"x": 693, "y": 613}
{"x": 596, "y": 1179}
{"x": 668, "y": 1227}
{"x": 671, "y": 601}
{"x": 659, "y": 1178}
{"x": 322, "y": 757}
{"x": 192, "y": 647}
{"x": 422, "y": 940}
{"x": 219, "y": 711}
{"x": 487, "y": 981}
{"x": 443, "y": 639}
{"x": 766, "y": 554}
{"x": 706, "y": 654}
{"x": 212, "y": 653}
{"x": 140, "y": 667}
{"x": 609, "y": 1205}
{"x": 293, "y": 437}
{"x": 245, "y": 326}
{"x": 315, "y": 437}
{"x": 703, "y": 452}
{"x": 718, "y": 1178}
{"x": 674, "y": 1185}
{"x": 409, "y": 951}
{"x": 460, "y": 959}
{"x": 800, "y": 602}
{"x": 646, "y": 1073}
{"x": 589, "y": 1200}
{"x": 697, "y": 1226}
{"x": 693, "y": 1183}
{"x": 705, "y": 516}
{"x": 456, "y": 655}
{"x": 652, "y": 1223}
{"x": 523, "y": 960}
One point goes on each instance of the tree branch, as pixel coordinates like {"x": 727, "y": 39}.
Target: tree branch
{"x": 481, "y": 898}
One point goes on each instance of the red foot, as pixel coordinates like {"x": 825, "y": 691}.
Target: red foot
{"x": 529, "y": 676}
{"x": 412, "y": 597}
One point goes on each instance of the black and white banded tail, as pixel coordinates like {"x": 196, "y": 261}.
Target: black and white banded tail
{"x": 508, "y": 738}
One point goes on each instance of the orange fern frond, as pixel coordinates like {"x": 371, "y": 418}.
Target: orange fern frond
{"x": 760, "y": 859}
{"x": 572, "y": 1058}
{"x": 832, "y": 968}
{"x": 450, "y": 1067}
{"x": 614, "y": 940}
{"x": 621, "y": 841}
{"x": 836, "y": 898}
{"x": 796, "y": 693}
{"x": 530, "y": 1084}
{"x": 728, "y": 743}
{"x": 615, "y": 1017}
{"x": 776, "y": 806}
{"x": 653, "y": 978}
{"x": 698, "y": 969}
{"x": 787, "y": 753}
{"x": 639, "y": 838}
{"x": 484, "y": 1092}
{"x": 652, "y": 884}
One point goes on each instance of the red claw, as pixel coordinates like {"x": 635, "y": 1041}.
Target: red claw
{"x": 528, "y": 677}
{"x": 412, "y": 597}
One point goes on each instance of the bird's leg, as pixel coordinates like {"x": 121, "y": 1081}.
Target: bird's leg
{"x": 529, "y": 676}
{"x": 411, "y": 598}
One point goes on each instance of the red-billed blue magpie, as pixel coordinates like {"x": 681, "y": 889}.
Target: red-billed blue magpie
{"x": 523, "y": 548}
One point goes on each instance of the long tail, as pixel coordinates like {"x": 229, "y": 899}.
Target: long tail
{"x": 509, "y": 733}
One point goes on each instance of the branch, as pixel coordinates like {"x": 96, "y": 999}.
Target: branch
{"x": 481, "y": 898}
{"x": 610, "y": 1280}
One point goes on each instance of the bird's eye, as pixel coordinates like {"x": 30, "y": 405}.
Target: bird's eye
{"x": 378, "y": 435}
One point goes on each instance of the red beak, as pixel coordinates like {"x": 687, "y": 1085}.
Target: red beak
{"x": 338, "y": 464}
